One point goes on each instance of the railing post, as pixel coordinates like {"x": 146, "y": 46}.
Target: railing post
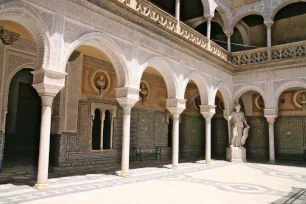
{"x": 133, "y": 4}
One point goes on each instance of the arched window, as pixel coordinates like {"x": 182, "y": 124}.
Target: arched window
{"x": 107, "y": 130}
{"x": 96, "y": 130}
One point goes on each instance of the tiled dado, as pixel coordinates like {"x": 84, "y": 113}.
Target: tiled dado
{"x": 2, "y": 138}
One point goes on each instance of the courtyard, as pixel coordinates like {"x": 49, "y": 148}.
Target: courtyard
{"x": 191, "y": 182}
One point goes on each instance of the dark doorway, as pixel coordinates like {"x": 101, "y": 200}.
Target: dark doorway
{"x": 22, "y": 129}
{"x": 107, "y": 130}
{"x": 96, "y": 131}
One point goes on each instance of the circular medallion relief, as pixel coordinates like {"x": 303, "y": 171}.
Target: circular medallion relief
{"x": 100, "y": 82}
{"x": 299, "y": 99}
{"x": 259, "y": 102}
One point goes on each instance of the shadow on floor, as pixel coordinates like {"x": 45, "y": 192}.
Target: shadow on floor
{"x": 26, "y": 174}
{"x": 296, "y": 196}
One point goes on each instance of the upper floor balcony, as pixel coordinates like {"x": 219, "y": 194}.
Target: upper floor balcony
{"x": 172, "y": 24}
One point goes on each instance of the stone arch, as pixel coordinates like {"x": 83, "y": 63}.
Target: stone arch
{"x": 209, "y": 7}
{"x": 164, "y": 67}
{"x": 23, "y": 14}
{"x": 224, "y": 17}
{"x": 284, "y": 87}
{"x": 7, "y": 89}
{"x": 283, "y": 4}
{"x": 252, "y": 87}
{"x": 226, "y": 94}
{"x": 243, "y": 31}
{"x": 203, "y": 20}
{"x": 199, "y": 80}
{"x": 105, "y": 44}
{"x": 241, "y": 16}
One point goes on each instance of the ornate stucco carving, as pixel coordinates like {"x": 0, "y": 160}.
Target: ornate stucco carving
{"x": 8, "y": 37}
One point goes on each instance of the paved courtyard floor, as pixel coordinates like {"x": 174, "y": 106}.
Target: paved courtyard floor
{"x": 195, "y": 182}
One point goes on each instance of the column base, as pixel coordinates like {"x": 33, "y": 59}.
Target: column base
{"x": 208, "y": 162}
{"x": 174, "y": 167}
{"x": 236, "y": 154}
{"x": 124, "y": 174}
{"x": 272, "y": 162}
{"x": 40, "y": 186}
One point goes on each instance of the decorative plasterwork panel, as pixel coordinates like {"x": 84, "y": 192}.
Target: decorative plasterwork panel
{"x": 73, "y": 93}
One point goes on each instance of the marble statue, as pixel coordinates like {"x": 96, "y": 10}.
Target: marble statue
{"x": 143, "y": 91}
{"x": 100, "y": 82}
{"x": 239, "y": 134}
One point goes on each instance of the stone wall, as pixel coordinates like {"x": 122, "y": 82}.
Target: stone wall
{"x": 148, "y": 130}
{"x": 2, "y": 139}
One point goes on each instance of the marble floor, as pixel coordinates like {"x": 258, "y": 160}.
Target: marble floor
{"x": 194, "y": 182}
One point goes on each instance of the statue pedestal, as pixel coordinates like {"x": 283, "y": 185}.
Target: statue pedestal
{"x": 236, "y": 154}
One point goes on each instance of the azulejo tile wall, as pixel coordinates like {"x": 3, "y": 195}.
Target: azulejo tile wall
{"x": 2, "y": 138}
{"x": 290, "y": 137}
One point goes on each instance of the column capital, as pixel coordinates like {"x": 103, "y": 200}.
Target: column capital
{"x": 271, "y": 118}
{"x": 48, "y": 82}
{"x": 271, "y": 111}
{"x": 127, "y": 96}
{"x": 208, "y": 111}
{"x": 208, "y": 17}
{"x": 228, "y": 33}
{"x": 176, "y": 106}
{"x": 269, "y": 23}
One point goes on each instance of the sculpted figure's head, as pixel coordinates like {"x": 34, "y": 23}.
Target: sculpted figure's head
{"x": 237, "y": 107}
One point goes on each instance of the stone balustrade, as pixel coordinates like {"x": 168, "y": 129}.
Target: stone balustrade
{"x": 289, "y": 51}
{"x": 154, "y": 13}
{"x": 170, "y": 23}
{"x": 250, "y": 56}
{"x": 192, "y": 35}
{"x": 279, "y": 52}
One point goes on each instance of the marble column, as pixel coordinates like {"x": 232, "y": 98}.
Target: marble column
{"x": 44, "y": 146}
{"x": 175, "y": 141}
{"x": 47, "y": 83}
{"x": 229, "y": 47}
{"x": 269, "y": 38}
{"x": 271, "y": 121}
{"x": 208, "y": 140}
{"x": 208, "y": 111}
{"x": 126, "y": 141}
{"x": 208, "y": 34}
{"x": 175, "y": 107}
{"x": 127, "y": 97}
{"x": 177, "y": 14}
{"x": 102, "y": 129}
